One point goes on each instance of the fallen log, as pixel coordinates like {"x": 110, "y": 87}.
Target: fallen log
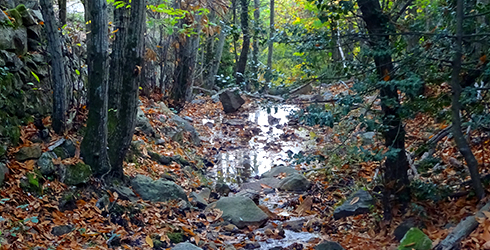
{"x": 462, "y": 230}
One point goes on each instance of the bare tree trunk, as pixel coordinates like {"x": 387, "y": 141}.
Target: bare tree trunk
{"x": 396, "y": 164}
{"x": 214, "y": 67}
{"x": 242, "y": 61}
{"x": 133, "y": 51}
{"x": 255, "y": 46}
{"x": 94, "y": 144}
{"x": 459, "y": 138}
{"x": 117, "y": 59}
{"x": 57, "y": 68}
{"x": 268, "y": 75}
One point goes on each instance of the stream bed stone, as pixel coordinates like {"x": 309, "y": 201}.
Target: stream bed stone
{"x": 241, "y": 211}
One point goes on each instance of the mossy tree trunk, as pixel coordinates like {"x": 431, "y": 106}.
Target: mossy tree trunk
{"x": 94, "y": 144}
{"x": 58, "y": 76}
{"x": 122, "y": 116}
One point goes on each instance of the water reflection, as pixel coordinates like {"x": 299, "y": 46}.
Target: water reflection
{"x": 266, "y": 147}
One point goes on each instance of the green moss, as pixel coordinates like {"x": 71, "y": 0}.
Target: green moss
{"x": 60, "y": 152}
{"x": 77, "y": 174}
{"x": 14, "y": 13}
{"x": 175, "y": 237}
{"x": 33, "y": 182}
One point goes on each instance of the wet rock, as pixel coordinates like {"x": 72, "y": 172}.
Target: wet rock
{"x": 231, "y": 228}
{"x": 251, "y": 194}
{"x": 329, "y": 245}
{"x": 272, "y": 120}
{"x": 261, "y": 184}
{"x": 231, "y": 101}
{"x": 351, "y": 207}
{"x": 7, "y": 37}
{"x": 45, "y": 163}
{"x": 186, "y": 246}
{"x": 28, "y": 153}
{"x": 61, "y": 230}
{"x": 223, "y": 189}
{"x": 77, "y": 174}
{"x": 294, "y": 246}
{"x": 275, "y": 171}
{"x": 415, "y": 239}
{"x": 143, "y": 123}
{"x": 294, "y": 225}
{"x": 294, "y": 182}
{"x": 240, "y": 211}
{"x": 3, "y": 172}
{"x": 157, "y": 190}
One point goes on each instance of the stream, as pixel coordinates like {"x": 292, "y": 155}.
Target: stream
{"x": 255, "y": 142}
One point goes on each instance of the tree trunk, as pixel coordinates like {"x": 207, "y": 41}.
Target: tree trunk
{"x": 94, "y": 144}
{"x": 459, "y": 138}
{"x": 57, "y": 68}
{"x": 268, "y": 75}
{"x": 255, "y": 46}
{"x": 216, "y": 60}
{"x": 242, "y": 61}
{"x": 123, "y": 122}
{"x": 396, "y": 164}
{"x": 62, "y": 6}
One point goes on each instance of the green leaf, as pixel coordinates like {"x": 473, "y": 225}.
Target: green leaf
{"x": 35, "y": 76}
{"x": 77, "y": 71}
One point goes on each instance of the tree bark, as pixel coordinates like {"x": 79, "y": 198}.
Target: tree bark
{"x": 242, "y": 61}
{"x": 58, "y": 76}
{"x": 94, "y": 145}
{"x": 459, "y": 138}
{"x": 62, "y": 6}
{"x": 396, "y": 164}
{"x": 268, "y": 75}
{"x": 122, "y": 120}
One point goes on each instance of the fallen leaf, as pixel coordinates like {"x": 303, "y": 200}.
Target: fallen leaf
{"x": 354, "y": 201}
{"x": 149, "y": 241}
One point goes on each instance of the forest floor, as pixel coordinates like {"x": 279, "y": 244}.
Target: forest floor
{"x": 58, "y": 216}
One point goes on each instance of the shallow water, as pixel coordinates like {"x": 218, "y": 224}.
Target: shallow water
{"x": 268, "y": 148}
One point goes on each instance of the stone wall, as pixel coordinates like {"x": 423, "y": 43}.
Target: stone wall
{"x": 25, "y": 90}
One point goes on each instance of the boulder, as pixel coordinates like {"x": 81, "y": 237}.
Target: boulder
{"x": 12, "y": 61}
{"x": 66, "y": 150}
{"x": 240, "y": 211}
{"x": 76, "y": 174}
{"x": 125, "y": 193}
{"x": 294, "y": 182}
{"x": 187, "y": 126}
{"x": 359, "y": 203}
{"x": 251, "y": 194}
{"x": 28, "y": 153}
{"x": 261, "y": 184}
{"x": 186, "y": 246}
{"x": 275, "y": 171}
{"x": 222, "y": 189}
{"x": 231, "y": 101}
{"x": 143, "y": 123}
{"x": 3, "y": 172}
{"x": 45, "y": 163}
{"x": 157, "y": 190}
{"x": 200, "y": 199}
{"x": 294, "y": 225}
{"x": 20, "y": 41}
{"x": 329, "y": 245}
{"x": 415, "y": 239}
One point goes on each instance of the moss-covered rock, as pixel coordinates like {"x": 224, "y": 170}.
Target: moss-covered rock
{"x": 32, "y": 182}
{"x": 27, "y": 153}
{"x": 14, "y": 13}
{"x": 415, "y": 239}
{"x": 77, "y": 174}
